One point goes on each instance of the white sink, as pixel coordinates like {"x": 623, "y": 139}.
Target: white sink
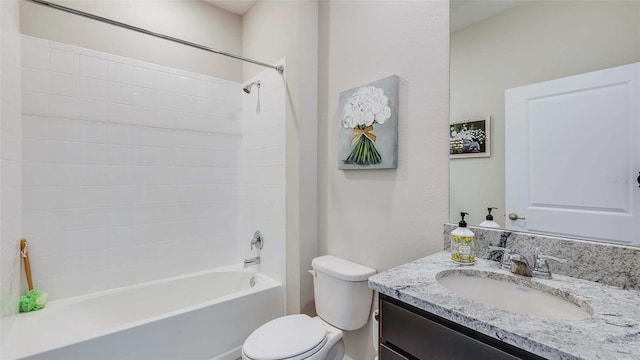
{"x": 502, "y": 292}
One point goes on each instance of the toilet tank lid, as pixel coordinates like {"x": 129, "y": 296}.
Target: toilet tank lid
{"x": 341, "y": 269}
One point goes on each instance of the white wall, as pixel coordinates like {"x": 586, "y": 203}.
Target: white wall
{"x": 132, "y": 171}
{"x": 273, "y": 30}
{"x": 264, "y": 173}
{"x": 537, "y": 41}
{"x": 10, "y": 154}
{"x": 383, "y": 218}
{"x": 195, "y": 21}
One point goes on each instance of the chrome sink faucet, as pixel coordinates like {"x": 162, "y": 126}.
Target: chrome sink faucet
{"x": 521, "y": 265}
{"x": 536, "y": 265}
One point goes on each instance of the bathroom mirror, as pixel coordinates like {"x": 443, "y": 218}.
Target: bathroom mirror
{"x": 559, "y": 81}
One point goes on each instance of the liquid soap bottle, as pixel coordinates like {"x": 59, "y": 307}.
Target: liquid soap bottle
{"x": 489, "y": 223}
{"x": 463, "y": 247}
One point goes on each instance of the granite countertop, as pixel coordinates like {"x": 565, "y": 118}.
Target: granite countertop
{"x": 613, "y": 331}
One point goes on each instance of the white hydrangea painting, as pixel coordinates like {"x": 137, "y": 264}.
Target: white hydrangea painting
{"x": 369, "y": 126}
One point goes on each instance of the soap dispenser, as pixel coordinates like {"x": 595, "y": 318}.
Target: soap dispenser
{"x": 463, "y": 247}
{"x": 489, "y": 223}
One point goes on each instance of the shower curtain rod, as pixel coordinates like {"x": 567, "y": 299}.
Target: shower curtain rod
{"x": 278, "y": 68}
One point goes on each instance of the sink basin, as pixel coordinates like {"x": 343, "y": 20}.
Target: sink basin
{"x": 514, "y": 294}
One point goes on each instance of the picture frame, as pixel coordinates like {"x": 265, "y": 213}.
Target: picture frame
{"x": 470, "y": 138}
{"x": 368, "y": 130}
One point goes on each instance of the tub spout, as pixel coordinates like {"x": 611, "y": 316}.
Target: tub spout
{"x": 252, "y": 261}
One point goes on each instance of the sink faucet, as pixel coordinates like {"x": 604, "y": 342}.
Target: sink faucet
{"x": 536, "y": 266}
{"x": 514, "y": 262}
{"x": 252, "y": 261}
{"x": 520, "y": 265}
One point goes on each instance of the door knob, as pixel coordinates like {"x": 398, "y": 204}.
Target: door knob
{"x": 514, "y": 217}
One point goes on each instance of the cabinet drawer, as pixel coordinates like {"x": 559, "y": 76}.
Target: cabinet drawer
{"x": 427, "y": 339}
{"x": 388, "y": 354}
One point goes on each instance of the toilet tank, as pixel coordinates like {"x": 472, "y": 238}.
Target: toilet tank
{"x": 342, "y": 296}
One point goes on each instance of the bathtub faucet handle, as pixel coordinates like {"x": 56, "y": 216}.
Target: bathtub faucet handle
{"x": 257, "y": 241}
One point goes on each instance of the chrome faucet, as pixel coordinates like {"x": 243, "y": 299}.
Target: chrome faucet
{"x": 521, "y": 265}
{"x": 257, "y": 241}
{"x": 541, "y": 266}
{"x": 536, "y": 266}
{"x": 252, "y": 261}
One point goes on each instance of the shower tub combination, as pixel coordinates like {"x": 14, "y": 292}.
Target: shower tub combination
{"x": 205, "y": 315}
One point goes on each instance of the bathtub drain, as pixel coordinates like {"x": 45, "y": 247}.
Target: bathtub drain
{"x": 252, "y": 281}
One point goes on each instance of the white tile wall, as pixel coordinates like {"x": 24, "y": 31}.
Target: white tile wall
{"x": 264, "y": 172}
{"x": 131, "y": 171}
{"x": 10, "y": 157}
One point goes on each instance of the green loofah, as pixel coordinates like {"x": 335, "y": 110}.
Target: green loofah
{"x": 32, "y": 301}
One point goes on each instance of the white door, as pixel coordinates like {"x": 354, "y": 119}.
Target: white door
{"x": 573, "y": 155}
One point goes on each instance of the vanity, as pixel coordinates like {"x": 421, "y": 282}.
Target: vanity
{"x": 408, "y": 332}
{"x": 432, "y": 308}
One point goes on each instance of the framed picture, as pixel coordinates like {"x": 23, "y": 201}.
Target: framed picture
{"x": 470, "y": 138}
{"x": 368, "y": 131}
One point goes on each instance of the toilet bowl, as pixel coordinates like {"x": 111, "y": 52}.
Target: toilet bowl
{"x": 294, "y": 337}
{"x": 343, "y": 303}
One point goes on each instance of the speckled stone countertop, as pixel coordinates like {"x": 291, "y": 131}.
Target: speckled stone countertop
{"x": 613, "y": 331}
{"x": 604, "y": 263}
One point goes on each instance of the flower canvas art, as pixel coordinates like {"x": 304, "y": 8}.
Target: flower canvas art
{"x": 368, "y": 130}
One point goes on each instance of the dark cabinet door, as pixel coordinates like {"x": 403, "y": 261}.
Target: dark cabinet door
{"x": 426, "y": 339}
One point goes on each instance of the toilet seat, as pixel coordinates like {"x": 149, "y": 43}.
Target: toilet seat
{"x": 293, "y": 337}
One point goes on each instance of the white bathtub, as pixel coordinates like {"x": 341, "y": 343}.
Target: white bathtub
{"x": 206, "y": 315}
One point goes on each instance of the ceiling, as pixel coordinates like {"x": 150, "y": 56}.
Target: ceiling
{"x": 468, "y": 12}
{"x": 463, "y": 12}
{"x": 235, "y": 6}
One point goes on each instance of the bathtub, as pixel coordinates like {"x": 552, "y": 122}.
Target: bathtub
{"x": 205, "y": 315}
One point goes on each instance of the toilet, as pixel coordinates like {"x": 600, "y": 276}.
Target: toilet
{"x": 343, "y": 303}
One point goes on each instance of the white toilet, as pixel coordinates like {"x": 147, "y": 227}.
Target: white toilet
{"x": 343, "y": 303}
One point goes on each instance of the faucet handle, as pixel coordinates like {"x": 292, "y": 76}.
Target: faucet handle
{"x": 506, "y": 257}
{"x": 541, "y": 267}
{"x": 257, "y": 240}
